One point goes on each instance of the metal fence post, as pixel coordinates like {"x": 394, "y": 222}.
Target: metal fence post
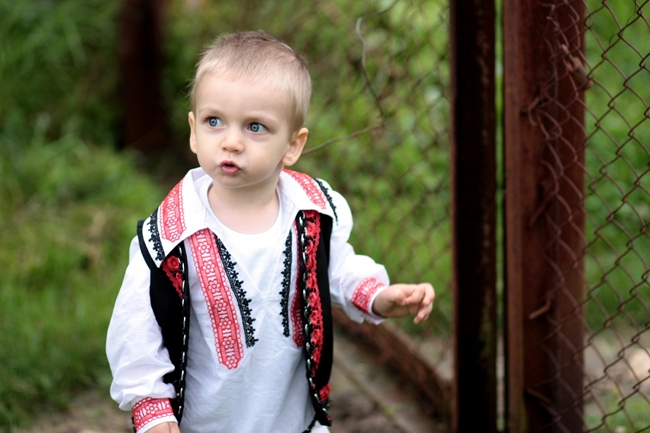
{"x": 544, "y": 215}
{"x": 140, "y": 53}
{"x": 474, "y": 215}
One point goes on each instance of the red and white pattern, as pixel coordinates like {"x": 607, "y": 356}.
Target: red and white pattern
{"x": 219, "y": 297}
{"x": 150, "y": 409}
{"x": 296, "y": 319}
{"x": 172, "y": 220}
{"x": 313, "y": 233}
{"x": 364, "y": 293}
{"x": 296, "y": 310}
{"x": 310, "y": 187}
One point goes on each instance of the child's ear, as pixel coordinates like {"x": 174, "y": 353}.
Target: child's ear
{"x": 190, "y": 119}
{"x": 295, "y": 147}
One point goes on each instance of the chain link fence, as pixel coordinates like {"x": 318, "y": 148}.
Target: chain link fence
{"x": 595, "y": 210}
{"x": 394, "y": 165}
{"x": 617, "y": 256}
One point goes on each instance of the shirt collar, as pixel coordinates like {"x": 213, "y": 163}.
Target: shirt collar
{"x": 182, "y": 213}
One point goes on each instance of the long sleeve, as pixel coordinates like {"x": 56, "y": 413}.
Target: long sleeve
{"x": 355, "y": 280}
{"x": 135, "y": 351}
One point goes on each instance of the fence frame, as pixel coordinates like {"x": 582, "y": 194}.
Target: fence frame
{"x": 539, "y": 386}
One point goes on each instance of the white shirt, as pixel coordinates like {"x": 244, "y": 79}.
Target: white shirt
{"x": 231, "y": 386}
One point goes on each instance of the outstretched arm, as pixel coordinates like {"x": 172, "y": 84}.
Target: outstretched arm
{"x": 399, "y": 300}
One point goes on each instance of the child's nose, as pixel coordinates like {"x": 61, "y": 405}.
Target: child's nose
{"x": 232, "y": 141}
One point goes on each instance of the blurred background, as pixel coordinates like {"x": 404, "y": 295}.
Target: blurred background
{"x": 93, "y": 133}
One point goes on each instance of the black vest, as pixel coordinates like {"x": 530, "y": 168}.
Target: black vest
{"x": 172, "y": 311}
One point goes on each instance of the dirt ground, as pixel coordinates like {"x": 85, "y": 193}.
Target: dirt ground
{"x": 93, "y": 412}
{"x": 365, "y": 399}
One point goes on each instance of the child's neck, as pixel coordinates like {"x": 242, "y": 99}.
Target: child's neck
{"x": 245, "y": 212}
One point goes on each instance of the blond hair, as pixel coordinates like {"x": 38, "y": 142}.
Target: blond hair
{"x": 262, "y": 59}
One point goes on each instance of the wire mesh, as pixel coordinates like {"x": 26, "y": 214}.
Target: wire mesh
{"x": 393, "y": 163}
{"x": 617, "y": 201}
{"x": 609, "y": 215}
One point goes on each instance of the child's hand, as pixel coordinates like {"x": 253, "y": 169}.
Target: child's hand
{"x": 166, "y": 427}
{"x": 401, "y": 300}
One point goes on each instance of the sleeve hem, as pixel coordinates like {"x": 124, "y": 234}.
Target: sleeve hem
{"x": 372, "y": 317}
{"x": 150, "y": 412}
{"x": 364, "y": 297}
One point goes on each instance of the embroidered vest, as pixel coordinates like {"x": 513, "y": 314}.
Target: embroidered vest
{"x": 170, "y": 302}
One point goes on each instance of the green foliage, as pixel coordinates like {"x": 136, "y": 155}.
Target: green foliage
{"x": 58, "y": 65}
{"x": 67, "y": 208}
{"x": 68, "y": 211}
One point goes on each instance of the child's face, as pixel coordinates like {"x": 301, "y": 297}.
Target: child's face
{"x": 242, "y": 134}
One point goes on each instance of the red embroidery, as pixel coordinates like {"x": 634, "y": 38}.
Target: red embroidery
{"x": 218, "y": 295}
{"x": 150, "y": 409}
{"x": 172, "y": 266}
{"x": 313, "y": 233}
{"x": 324, "y": 393}
{"x": 296, "y": 320}
{"x": 172, "y": 218}
{"x": 310, "y": 187}
{"x": 364, "y": 293}
{"x": 296, "y": 313}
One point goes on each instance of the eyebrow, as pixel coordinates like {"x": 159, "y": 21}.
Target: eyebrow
{"x": 255, "y": 116}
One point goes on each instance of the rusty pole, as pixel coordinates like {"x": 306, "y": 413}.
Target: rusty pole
{"x": 474, "y": 215}
{"x": 544, "y": 215}
{"x": 140, "y": 55}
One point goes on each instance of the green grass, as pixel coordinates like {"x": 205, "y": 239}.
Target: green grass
{"x": 68, "y": 211}
{"x": 58, "y": 67}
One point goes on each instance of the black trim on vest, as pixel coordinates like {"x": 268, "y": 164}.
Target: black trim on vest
{"x": 317, "y": 378}
{"x": 155, "y": 235}
{"x": 323, "y": 188}
{"x": 172, "y": 316}
{"x": 323, "y": 257}
{"x": 286, "y": 285}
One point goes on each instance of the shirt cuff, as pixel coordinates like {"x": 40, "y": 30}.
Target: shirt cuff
{"x": 149, "y": 412}
{"x": 364, "y": 296}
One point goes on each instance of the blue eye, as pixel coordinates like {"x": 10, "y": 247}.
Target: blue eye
{"x": 214, "y": 122}
{"x": 257, "y": 127}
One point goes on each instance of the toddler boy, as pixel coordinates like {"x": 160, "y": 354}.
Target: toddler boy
{"x": 262, "y": 254}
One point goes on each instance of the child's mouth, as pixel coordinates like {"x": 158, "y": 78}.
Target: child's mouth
{"x": 229, "y": 168}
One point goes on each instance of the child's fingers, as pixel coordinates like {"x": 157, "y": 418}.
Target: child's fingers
{"x": 420, "y": 294}
{"x": 430, "y": 293}
{"x": 426, "y": 305}
{"x": 423, "y": 312}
